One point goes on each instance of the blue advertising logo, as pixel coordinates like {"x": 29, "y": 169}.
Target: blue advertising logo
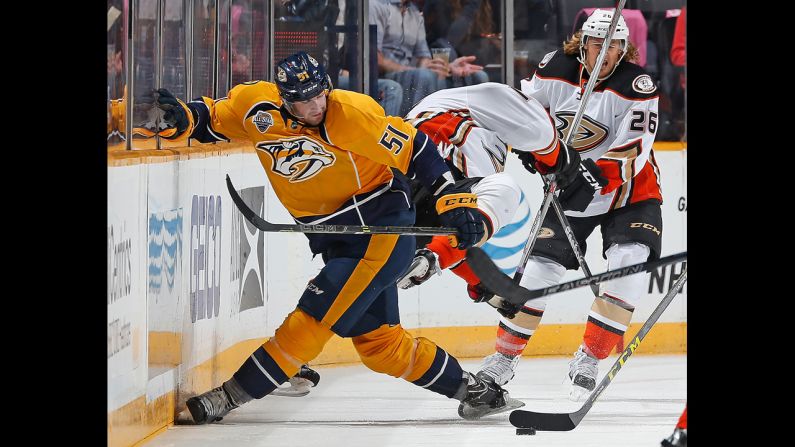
{"x": 505, "y": 247}
{"x": 165, "y": 246}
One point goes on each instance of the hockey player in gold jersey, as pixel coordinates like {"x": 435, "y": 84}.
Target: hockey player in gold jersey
{"x": 331, "y": 157}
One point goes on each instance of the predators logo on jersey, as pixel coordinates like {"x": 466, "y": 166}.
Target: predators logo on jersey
{"x": 589, "y": 135}
{"x": 297, "y": 159}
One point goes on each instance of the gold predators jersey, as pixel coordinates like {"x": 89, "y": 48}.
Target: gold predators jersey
{"x": 313, "y": 170}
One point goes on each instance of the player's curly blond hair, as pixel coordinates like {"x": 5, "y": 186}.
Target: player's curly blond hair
{"x": 572, "y": 46}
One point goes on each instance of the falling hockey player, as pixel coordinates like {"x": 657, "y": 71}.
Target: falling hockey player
{"x": 329, "y": 156}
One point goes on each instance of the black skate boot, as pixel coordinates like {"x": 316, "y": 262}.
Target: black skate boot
{"x": 483, "y": 397}
{"x": 213, "y": 405}
{"x": 677, "y": 439}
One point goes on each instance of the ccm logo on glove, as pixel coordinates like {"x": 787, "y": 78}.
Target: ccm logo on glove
{"x": 450, "y": 201}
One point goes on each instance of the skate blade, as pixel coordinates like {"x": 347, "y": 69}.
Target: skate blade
{"x": 469, "y": 413}
{"x": 578, "y": 393}
{"x": 298, "y": 388}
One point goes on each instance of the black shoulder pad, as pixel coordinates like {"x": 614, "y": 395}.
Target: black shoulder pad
{"x": 631, "y": 81}
{"x": 558, "y": 65}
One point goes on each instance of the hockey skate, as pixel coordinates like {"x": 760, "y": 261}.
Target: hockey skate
{"x": 299, "y": 384}
{"x": 582, "y": 375}
{"x": 211, "y": 406}
{"x": 499, "y": 368}
{"x": 677, "y": 439}
{"x": 424, "y": 265}
{"x": 484, "y": 397}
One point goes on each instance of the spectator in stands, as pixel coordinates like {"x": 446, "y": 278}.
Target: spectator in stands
{"x": 678, "y": 53}
{"x": 466, "y": 26}
{"x": 390, "y": 93}
{"x": 404, "y": 56}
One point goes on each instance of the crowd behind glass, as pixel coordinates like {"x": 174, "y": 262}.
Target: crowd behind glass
{"x": 414, "y": 47}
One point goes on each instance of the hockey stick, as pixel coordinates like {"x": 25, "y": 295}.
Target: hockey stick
{"x": 524, "y": 419}
{"x": 549, "y": 195}
{"x": 264, "y": 225}
{"x": 551, "y": 185}
{"x": 501, "y": 284}
{"x": 575, "y": 247}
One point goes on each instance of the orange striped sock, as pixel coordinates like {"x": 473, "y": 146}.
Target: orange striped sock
{"x": 510, "y": 343}
{"x": 600, "y": 341}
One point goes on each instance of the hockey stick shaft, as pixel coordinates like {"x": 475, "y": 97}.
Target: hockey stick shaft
{"x": 501, "y": 284}
{"x": 568, "y": 421}
{"x": 575, "y": 246}
{"x": 264, "y": 225}
{"x": 528, "y": 246}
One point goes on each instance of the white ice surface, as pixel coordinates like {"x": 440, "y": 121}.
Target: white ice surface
{"x": 353, "y": 406}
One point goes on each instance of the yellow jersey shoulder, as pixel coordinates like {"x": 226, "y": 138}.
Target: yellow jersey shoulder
{"x": 349, "y": 102}
{"x": 245, "y": 96}
{"x": 354, "y": 118}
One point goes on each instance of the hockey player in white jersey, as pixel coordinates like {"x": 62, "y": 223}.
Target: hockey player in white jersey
{"x": 617, "y": 132}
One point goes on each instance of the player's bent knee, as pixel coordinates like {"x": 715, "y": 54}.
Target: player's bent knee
{"x": 299, "y": 339}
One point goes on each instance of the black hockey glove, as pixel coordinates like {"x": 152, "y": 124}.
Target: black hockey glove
{"x": 459, "y": 209}
{"x": 567, "y": 166}
{"x": 506, "y": 309}
{"x": 528, "y": 161}
{"x": 479, "y": 293}
{"x": 580, "y": 190}
{"x": 174, "y": 114}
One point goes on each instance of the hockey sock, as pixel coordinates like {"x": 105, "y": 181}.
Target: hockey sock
{"x": 391, "y": 350}
{"x": 607, "y": 322}
{"x": 514, "y": 334}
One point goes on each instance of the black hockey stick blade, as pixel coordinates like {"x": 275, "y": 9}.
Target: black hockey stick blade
{"x": 501, "y": 284}
{"x": 264, "y": 225}
{"x": 542, "y": 421}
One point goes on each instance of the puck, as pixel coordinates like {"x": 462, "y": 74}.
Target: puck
{"x": 525, "y": 431}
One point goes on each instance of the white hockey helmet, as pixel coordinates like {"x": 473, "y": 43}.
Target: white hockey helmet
{"x": 597, "y": 25}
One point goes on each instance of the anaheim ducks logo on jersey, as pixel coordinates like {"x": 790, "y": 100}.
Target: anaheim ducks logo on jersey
{"x": 297, "y": 159}
{"x": 589, "y": 135}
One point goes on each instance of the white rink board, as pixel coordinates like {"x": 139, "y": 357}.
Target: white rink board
{"x": 253, "y": 280}
{"x": 126, "y": 311}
